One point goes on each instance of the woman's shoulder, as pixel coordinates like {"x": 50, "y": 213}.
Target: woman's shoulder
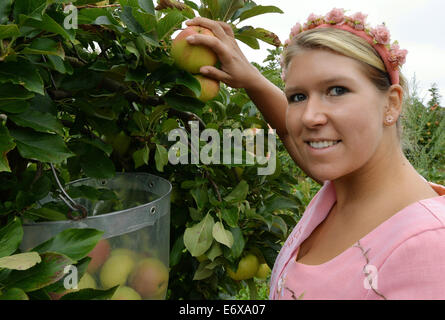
{"x": 420, "y": 224}
{"x": 435, "y": 206}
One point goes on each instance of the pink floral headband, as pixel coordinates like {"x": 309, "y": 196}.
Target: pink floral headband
{"x": 379, "y": 37}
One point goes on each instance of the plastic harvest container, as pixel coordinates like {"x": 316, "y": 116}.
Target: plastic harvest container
{"x": 136, "y": 226}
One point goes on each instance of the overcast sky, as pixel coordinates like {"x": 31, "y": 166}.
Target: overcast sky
{"x": 418, "y": 25}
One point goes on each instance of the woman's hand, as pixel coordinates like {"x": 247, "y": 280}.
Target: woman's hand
{"x": 236, "y": 71}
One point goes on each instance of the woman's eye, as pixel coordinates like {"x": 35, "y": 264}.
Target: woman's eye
{"x": 337, "y": 91}
{"x": 297, "y": 97}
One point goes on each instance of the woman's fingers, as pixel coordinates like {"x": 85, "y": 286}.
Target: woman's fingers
{"x": 215, "y": 73}
{"x": 215, "y": 44}
{"x": 214, "y": 26}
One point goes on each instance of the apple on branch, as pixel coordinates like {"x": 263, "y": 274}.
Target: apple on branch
{"x": 209, "y": 88}
{"x": 192, "y": 57}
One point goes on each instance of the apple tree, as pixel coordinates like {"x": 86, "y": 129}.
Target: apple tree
{"x": 89, "y": 88}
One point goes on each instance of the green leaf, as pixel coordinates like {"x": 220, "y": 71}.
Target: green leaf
{"x": 227, "y": 8}
{"x": 280, "y": 224}
{"x": 169, "y": 125}
{"x": 42, "y": 147}
{"x": 239, "y": 193}
{"x": 249, "y": 40}
{"x": 9, "y": 31}
{"x": 50, "y": 270}
{"x": 57, "y": 64}
{"x": 141, "y": 157}
{"x": 238, "y": 243}
{"x": 147, "y": 21}
{"x": 41, "y": 122}
{"x": 169, "y": 23}
{"x": 188, "y": 80}
{"x": 23, "y": 73}
{"x": 96, "y": 164}
{"x": 176, "y": 251}
{"x": 5, "y": 10}
{"x": 215, "y": 251}
{"x": 258, "y": 10}
{"x": 198, "y": 239}
{"x": 202, "y": 272}
{"x": 14, "y": 294}
{"x": 230, "y": 216}
{"x": 47, "y": 214}
{"x": 14, "y": 92}
{"x": 222, "y": 235}
{"x": 20, "y": 261}
{"x": 127, "y": 17}
{"x": 14, "y": 106}
{"x": 6, "y": 144}
{"x": 201, "y": 197}
{"x": 183, "y": 103}
{"x": 10, "y": 237}
{"x": 161, "y": 157}
{"x": 249, "y": 33}
{"x": 280, "y": 203}
{"x": 49, "y": 24}
{"x": 45, "y": 46}
{"x": 90, "y": 294}
{"x": 73, "y": 243}
{"x": 147, "y": 6}
{"x": 30, "y": 8}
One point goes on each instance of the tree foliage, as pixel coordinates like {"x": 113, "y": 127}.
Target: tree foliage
{"x": 94, "y": 91}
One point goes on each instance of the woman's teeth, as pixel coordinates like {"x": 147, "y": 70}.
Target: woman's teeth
{"x": 323, "y": 144}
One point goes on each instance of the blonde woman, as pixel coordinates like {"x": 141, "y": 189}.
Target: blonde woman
{"x": 376, "y": 229}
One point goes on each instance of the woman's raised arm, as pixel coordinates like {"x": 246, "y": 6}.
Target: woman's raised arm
{"x": 237, "y": 72}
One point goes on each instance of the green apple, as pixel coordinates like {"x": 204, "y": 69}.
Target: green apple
{"x": 192, "y": 57}
{"x": 150, "y": 278}
{"x": 121, "y": 143}
{"x": 125, "y": 251}
{"x": 116, "y": 270}
{"x": 99, "y": 255}
{"x": 209, "y": 88}
{"x": 87, "y": 282}
{"x": 247, "y": 268}
{"x": 263, "y": 271}
{"x": 125, "y": 293}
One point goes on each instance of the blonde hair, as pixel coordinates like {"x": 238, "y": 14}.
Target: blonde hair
{"x": 349, "y": 45}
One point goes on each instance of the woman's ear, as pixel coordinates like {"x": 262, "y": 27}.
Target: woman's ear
{"x": 394, "y": 104}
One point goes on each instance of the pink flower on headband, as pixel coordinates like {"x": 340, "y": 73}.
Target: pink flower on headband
{"x": 296, "y": 29}
{"x": 314, "y": 20}
{"x": 381, "y": 34}
{"x": 397, "y": 56}
{"x": 359, "y": 21}
{"x": 335, "y": 16}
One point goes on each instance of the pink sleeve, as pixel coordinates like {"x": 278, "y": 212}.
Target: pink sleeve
{"x": 415, "y": 269}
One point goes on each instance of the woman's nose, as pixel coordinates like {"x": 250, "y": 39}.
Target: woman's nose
{"x": 314, "y": 113}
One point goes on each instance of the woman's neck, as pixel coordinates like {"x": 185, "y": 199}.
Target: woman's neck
{"x": 386, "y": 180}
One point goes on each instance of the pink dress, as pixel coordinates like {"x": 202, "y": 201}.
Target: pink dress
{"x": 403, "y": 258}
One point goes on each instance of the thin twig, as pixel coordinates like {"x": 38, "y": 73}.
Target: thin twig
{"x": 89, "y": 6}
{"x": 215, "y": 186}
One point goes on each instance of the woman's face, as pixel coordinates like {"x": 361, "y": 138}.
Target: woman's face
{"x": 335, "y": 114}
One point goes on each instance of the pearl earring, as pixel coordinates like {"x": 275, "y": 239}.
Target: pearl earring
{"x": 389, "y": 119}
